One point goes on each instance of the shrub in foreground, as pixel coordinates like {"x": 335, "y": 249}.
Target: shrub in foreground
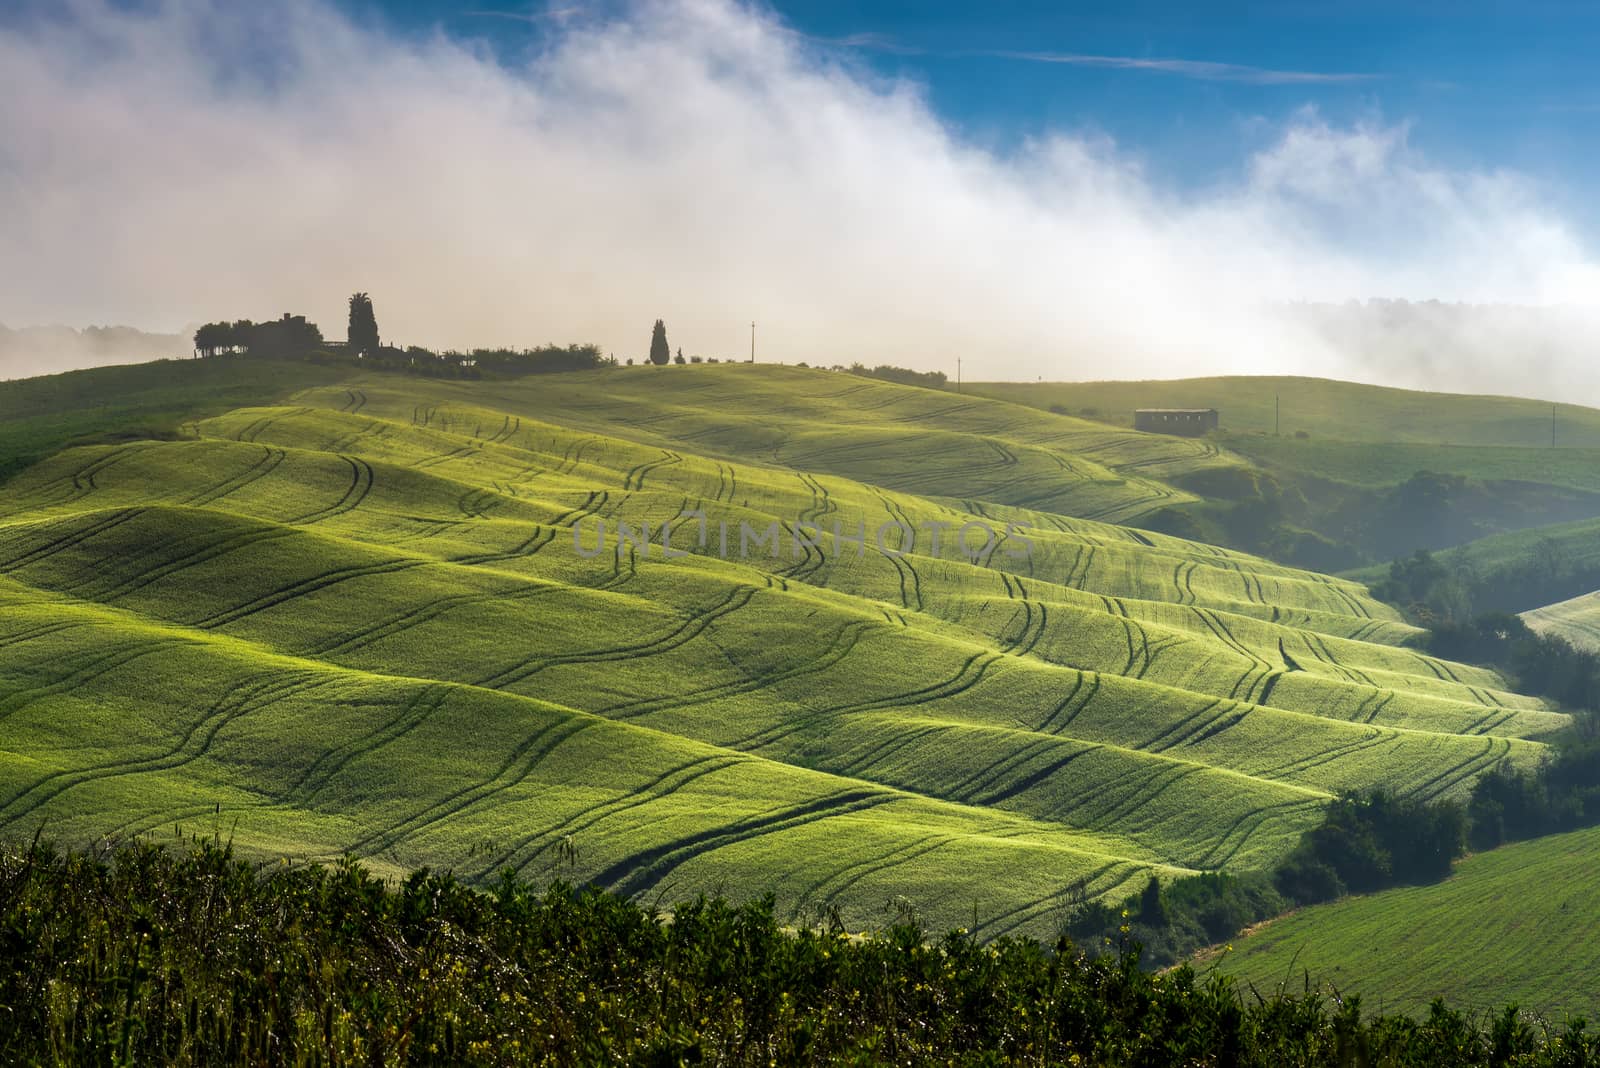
{"x": 195, "y": 956}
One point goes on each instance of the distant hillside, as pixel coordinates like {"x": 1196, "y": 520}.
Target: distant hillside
{"x": 1323, "y": 409}
{"x": 41, "y": 415}
{"x": 39, "y": 350}
{"x": 1516, "y": 924}
{"x": 357, "y": 618}
{"x": 1360, "y": 473}
{"x": 1577, "y": 620}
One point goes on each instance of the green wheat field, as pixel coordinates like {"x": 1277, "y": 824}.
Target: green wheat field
{"x": 351, "y": 617}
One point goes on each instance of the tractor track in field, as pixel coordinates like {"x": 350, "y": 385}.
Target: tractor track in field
{"x": 517, "y": 766}
{"x": 445, "y": 457}
{"x": 517, "y": 857}
{"x": 71, "y": 538}
{"x": 253, "y": 431}
{"x": 1378, "y": 736}
{"x": 1004, "y": 764}
{"x": 403, "y": 621}
{"x": 1488, "y": 723}
{"x": 858, "y": 766}
{"x": 1013, "y": 918}
{"x": 853, "y": 873}
{"x": 321, "y": 771}
{"x": 342, "y": 443}
{"x": 360, "y": 485}
{"x": 1381, "y": 704}
{"x": 313, "y": 584}
{"x": 194, "y": 744}
{"x": 209, "y": 548}
{"x": 268, "y": 463}
{"x": 634, "y": 478}
{"x": 1160, "y": 781}
{"x": 79, "y": 482}
{"x": 970, "y": 674}
{"x": 1049, "y": 726}
{"x": 40, "y": 630}
{"x": 357, "y": 401}
{"x": 543, "y": 534}
{"x": 1176, "y": 732}
{"x": 1244, "y": 827}
{"x": 1033, "y": 779}
{"x": 842, "y": 645}
{"x": 685, "y": 631}
{"x": 1430, "y": 788}
{"x": 910, "y": 581}
{"x": 638, "y": 872}
{"x": 571, "y": 457}
{"x": 477, "y": 503}
{"x": 97, "y": 666}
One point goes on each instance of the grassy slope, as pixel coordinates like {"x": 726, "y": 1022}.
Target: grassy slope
{"x": 1514, "y": 924}
{"x": 357, "y": 621}
{"x": 1362, "y": 440}
{"x": 1577, "y": 620}
{"x": 1360, "y": 435}
{"x": 40, "y": 415}
{"x": 1324, "y": 409}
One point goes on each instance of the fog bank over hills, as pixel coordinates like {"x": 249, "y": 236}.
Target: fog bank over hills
{"x": 564, "y": 195}
{"x": 1460, "y": 348}
{"x": 42, "y": 350}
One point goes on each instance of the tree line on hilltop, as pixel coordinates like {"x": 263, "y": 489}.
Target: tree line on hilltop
{"x": 294, "y": 337}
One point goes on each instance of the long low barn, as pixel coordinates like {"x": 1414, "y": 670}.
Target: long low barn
{"x": 1190, "y": 422}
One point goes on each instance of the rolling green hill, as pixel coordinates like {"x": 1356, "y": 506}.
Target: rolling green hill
{"x": 1359, "y": 473}
{"x": 1577, "y": 620}
{"x": 360, "y": 619}
{"x": 1516, "y": 924}
{"x": 1324, "y": 409}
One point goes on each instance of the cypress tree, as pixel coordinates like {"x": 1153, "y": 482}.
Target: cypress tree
{"x": 660, "y": 354}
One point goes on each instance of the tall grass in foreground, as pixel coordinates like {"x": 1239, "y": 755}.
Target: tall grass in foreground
{"x": 194, "y": 956}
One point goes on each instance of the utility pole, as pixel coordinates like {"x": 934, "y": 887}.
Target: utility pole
{"x": 752, "y": 341}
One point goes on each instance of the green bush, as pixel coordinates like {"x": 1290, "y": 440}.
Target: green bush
{"x": 193, "y": 956}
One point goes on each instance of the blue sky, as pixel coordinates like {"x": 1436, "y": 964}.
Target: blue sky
{"x": 1190, "y": 90}
{"x": 1041, "y": 190}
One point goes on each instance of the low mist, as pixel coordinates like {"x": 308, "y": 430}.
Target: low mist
{"x": 698, "y": 161}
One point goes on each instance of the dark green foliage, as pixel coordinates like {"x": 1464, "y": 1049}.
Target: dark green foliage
{"x": 659, "y": 352}
{"x": 193, "y": 956}
{"x": 362, "y": 336}
{"x": 1364, "y": 843}
{"x": 902, "y": 375}
{"x": 1541, "y": 664}
{"x": 498, "y": 363}
{"x": 290, "y": 337}
{"x": 1562, "y": 794}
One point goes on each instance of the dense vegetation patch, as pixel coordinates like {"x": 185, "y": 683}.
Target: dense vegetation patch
{"x": 193, "y": 956}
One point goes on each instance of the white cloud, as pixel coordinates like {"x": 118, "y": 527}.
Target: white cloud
{"x": 693, "y": 160}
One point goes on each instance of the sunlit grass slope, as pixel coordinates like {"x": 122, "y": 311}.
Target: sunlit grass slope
{"x": 40, "y": 415}
{"x": 1577, "y": 620}
{"x": 1324, "y": 408}
{"x": 361, "y": 620}
{"x": 1516, "y": 924}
